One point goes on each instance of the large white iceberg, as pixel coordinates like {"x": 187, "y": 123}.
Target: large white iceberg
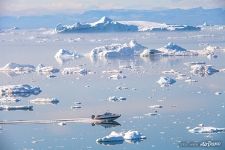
{"x": 23, "y": 90}
{"x": 129, "y": 136}
{"x": 118, "y": 50}
{"x": 64, "y": 55}
{"x": 17, "y": 68}
{"x": 105, "y": 24}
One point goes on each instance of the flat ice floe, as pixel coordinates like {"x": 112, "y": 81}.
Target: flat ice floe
{"x": 118, "y": 50}
{"x": 116, "y": 99}
{"x": 23, "y": 90}
{"x": 166, "y": 81}
{"x": 75, "y": 70}
{"x": 114, "y": 137}
{"x": 6, "y": 100}
{"x": 22, "y": 107}
{"x": 203, "y": 70}
{"x": 46, "y": 69}
{"x": 64, "y": 55}
{"x": 43, "y": 101}
{"x": 17, "y": 68}
{"x": 206, "y": 130}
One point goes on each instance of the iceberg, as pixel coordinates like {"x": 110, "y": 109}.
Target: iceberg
{"x": 156, "y": 106}
{"x": 6, "y": 100}
{"x": 105, "y": 24}
{"x": 118, "y": 50}
{"x": 206, "y": 130}
{"x": 203, "y": 70}
{"x": 116, "y": 99}
{"x": 166, "y": 81}
{"x": 64, "y": 55}
{"x": 9, "y": 108}
{"x": 17, "y": 68}
{"x": 114, "y": 137}
{"x": 75, "y": 70}
{"x": 42, "y": 101}
{"x": 46, "y": 69}
{"x": 23, "y": 90}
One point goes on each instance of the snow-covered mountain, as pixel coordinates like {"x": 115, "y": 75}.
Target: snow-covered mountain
{"x": 106, "y": 24}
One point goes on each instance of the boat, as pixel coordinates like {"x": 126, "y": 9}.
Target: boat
{"x": 107, "y": 117}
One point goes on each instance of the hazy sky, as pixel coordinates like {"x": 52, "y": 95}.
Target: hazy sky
{"x": 35, "y": 7}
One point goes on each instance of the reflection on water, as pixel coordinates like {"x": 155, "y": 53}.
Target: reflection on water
{"x": 110, "y": 124}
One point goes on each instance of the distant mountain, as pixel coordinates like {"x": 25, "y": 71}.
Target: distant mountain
{"x": 195, "y": 16}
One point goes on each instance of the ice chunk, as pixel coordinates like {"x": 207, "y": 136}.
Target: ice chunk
{"x": 64, "y": 55}
{"x": 133, "y": 135}
{"x": 62, "y": 123}
{"x": 115, "y": 99}
{"x": 118, "y": 50}
{"x": 42, "y": 101}
{"x": 17, "y": 68}
{"x": 166, "y": 81}
{"x": 206, "y": 130}
{"x": 9, "y": 108}
{"x": 129, "y": 136}
{"x": 46, "y": 69}
{"x": 117, "y": 77}
{"x": 9, "y": 100}
{"x": 74, "y": 70}
{"x": 112, "y": 71}
{"x": 156, "y": 106}
{"x": 194, "y": 63}
{"x": 23, "y": 90}
{"x": 203, "y": 70}
{"x": 75, "y": 107}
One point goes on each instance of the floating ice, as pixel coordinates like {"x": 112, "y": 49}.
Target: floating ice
{"x": 129, "y": 136}
{"x": 9, "y": 108}
{"x": 190, "y": 80}
{"x": 64, "y": 55}
{"x": 112, "y": 71}
{"x": 118, "y": 50}
{"x": 155, "y": 106}
{"x": 103, "y": 25}
{"x": 117, "y": 77}
{"x": 75, "y": 107}
{"x": 17, "y": 68}
{"x": 74, "y": 70}
{"x": 42, "y": 101}
{"x": 62, "y": 123}
{"x": 194, "y": 63}
{"x": 203, "y": 70}
{"x": 46, "y": 69}
{"x": 149, "y": 52}
{"x": 218, "y": 93}
{"x": 206, "y": 130}
{"x": 24, "y": 90}
{"x": 166, "y": 81}
{"x": 115, "y": 99}
{"x": 9, "y": 100}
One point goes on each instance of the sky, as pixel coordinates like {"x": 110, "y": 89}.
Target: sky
{"x": 40, "y": 7}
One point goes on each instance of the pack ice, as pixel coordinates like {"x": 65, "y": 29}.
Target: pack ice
{"x": 118, "y": 50}
{"x": 23, "y": 90}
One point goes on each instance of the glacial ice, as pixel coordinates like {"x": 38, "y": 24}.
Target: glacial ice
{"x": 23, "y": 90}
{"x": 17, "y": 68}
{"x": 75, "y": 70}
{"x": 22, "y": 107}
{"x": 46, "y": 69}
{"x": 116, "y": 99}
{"x": 64, "y": 55}
{"x": 117, "y": 76}
{"x": 118, "y": 50}
{"x": 206, "y": 130}
{"x": 129, "y": 136}
{"x": 42, "y": 101}
{"x": 7, "y": 100}
{"x": 166, "y": 81}
{"x": 203, "y": 70}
